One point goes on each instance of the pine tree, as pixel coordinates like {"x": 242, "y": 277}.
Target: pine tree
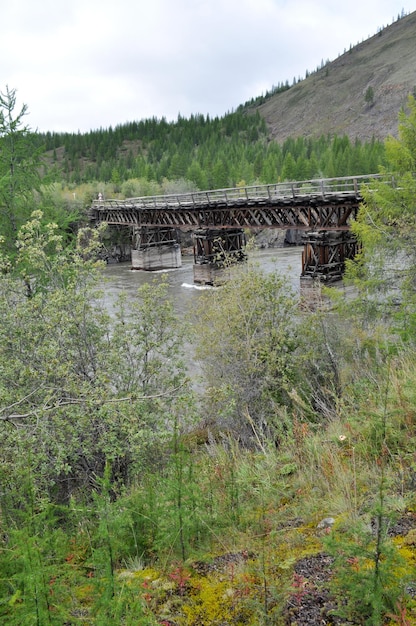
{"x": 19, "y": 167}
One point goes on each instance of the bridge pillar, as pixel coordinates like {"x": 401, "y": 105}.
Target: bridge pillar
{"x": 155, "y": 248}
{"x": 325, "y": 253}
{"x": 215, "y": 251}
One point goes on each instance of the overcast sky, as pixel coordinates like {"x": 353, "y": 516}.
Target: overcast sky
{"x": 80, "y": 65}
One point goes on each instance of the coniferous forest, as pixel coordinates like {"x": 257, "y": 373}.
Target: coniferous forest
{"x": 208, "y": 153}
{"x": 280, "y": 491}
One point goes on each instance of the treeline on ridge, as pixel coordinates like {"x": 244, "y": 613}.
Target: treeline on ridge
{"x": 206, "y": 152}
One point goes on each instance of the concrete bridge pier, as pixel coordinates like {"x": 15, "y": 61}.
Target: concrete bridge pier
{"x": 325, "y": 253}
{"x": 215, "y": 251}
{"x": 155, "y": 248}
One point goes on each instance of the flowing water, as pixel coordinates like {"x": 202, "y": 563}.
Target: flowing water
{"x": 182, "y": 290}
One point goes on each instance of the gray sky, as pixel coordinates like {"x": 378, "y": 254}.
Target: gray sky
{"x": 86, "y": 64}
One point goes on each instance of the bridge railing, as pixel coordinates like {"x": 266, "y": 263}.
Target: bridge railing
{"x": 234, "y": 195}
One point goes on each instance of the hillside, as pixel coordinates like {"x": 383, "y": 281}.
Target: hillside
{"x": 332, "y": 100}
{"x": 302, "y": 131}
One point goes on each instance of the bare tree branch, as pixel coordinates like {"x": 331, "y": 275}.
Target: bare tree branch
{"x": 7, "y": 416}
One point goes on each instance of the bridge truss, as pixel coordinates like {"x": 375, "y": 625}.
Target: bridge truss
{"x": 314, "y": 206}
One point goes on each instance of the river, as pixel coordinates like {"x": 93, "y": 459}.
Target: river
{"x": 182, "y": 290}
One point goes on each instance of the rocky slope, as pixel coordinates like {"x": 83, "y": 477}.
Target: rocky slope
{"x": 333, "y": 100}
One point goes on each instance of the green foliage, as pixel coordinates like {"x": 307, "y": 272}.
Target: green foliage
{"x": 19, "y": 167}
{"x": 250, "y": 370}
{"x": 244, "y": 520}
{"x": 370, "y": 571}
{"x": 386, "y": 267}
{"x": 22, "y": 187}
{"x": 204, "y": 152}
{"x": 115, "y": 508}
{"x": 369, "y": 96}
{"x": 33, "y": 566}
{"x": 67, "y": 368}
{"x": 367, "y": 573}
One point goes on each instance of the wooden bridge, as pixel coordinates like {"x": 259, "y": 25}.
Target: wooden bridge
{"x": 323, "y": 208}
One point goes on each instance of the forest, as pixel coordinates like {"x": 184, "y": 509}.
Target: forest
{"x": 280, "y": 492}
{"x": 202, "y": 152}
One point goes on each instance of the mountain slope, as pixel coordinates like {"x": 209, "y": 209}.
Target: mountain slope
{"x": 333, "y": 99}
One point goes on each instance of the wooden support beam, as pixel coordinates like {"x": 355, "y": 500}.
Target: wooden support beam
{"x": 325, "y": 253}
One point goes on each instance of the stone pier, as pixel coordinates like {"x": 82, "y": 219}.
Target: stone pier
{"x": 215, "y": 251}
{"x": 155, "y": 249}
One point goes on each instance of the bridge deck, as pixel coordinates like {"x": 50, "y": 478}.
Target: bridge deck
{"x": 327, "y": 204}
